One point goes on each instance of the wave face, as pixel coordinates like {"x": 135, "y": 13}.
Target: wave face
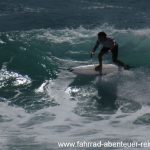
{"x": 43, "y": 101}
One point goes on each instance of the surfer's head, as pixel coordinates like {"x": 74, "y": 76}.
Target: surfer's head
{"x": 102, "y": 36}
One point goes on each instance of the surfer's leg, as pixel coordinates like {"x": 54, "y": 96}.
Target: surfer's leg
{"x": 100, "y": 58}
{"x": 115, "y": 58}
{"x": 102, "y": 52}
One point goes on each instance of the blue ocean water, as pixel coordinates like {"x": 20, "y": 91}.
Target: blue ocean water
{"x": 42, "y": 103}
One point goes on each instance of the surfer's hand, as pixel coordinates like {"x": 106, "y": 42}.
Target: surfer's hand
{"x": 92, "y": 53}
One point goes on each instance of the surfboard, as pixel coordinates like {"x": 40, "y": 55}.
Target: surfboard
{"x": 90, "y": 69}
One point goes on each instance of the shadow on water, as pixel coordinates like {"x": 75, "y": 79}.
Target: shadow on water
{"x": 107, "y": 94}
{"x": 82, "y": 81}
{"x": 94, "y": 97}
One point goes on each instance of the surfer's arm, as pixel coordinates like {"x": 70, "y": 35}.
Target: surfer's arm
{"x": 96, "y": 46}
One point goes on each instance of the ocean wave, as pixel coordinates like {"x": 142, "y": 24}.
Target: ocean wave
{"x": 76, "y": 43}
{"x": 9, "y": 8}
{"x": 102, "y": 6}
{"x": 34, "y": 10}
{"x": 82, "y": 35}
{"x": 71, "y": 44}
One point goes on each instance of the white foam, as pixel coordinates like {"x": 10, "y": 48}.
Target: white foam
{"x": 34, "y": 10}
{"x": 104, "y": 6}
{"x": 78, "y": 35}
{"x": 2, "y": 42}
{"x": 81, "y": 34}
{"x": 16, "y": 78}
{"x": 42, "y": 87}
{"x": 136, "y": 87}
{"x": 10, "y": 118}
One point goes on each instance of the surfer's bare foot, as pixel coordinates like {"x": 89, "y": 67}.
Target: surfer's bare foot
{"x": 98, "y": 68}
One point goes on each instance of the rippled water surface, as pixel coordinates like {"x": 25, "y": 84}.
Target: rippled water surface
{"x": 42, "y": 102}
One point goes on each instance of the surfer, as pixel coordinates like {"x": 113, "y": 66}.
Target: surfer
{"x": 109, "y": 45}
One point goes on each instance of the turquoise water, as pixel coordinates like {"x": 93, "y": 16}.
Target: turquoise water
{"x": 42, "y": 103}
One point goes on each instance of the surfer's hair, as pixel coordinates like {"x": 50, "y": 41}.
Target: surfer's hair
{"x": 102, "y": 34}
